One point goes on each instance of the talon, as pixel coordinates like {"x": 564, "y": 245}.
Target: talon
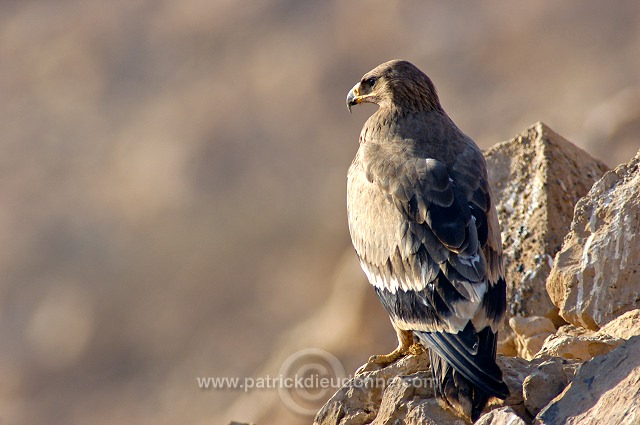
{"x": 416, "y": 349}
{"x": 405, "y": 347}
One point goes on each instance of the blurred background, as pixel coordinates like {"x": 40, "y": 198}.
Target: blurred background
{"x": 172, "y": 188}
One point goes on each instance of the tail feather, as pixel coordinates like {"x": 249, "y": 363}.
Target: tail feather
{"x": 464, "y": 368}
{"x": 455, "y": 391}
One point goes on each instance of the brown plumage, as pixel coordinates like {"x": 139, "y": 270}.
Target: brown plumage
{"x": 425, "y": 229}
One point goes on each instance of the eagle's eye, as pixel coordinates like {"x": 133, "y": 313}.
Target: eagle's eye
{"x": 370, "y": 82}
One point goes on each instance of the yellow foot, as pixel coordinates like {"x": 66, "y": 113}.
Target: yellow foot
{"x": 382, "y": 360}
{"x": 386, "y": 359}
{"x": 416, "y": 349}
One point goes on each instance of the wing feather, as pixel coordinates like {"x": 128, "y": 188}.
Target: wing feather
{"x": 432, "y": 231}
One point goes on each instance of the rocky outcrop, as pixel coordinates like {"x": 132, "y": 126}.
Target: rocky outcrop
{"x": 573, "y": 342}
{"x": 544, "y": 378}
{"x": 384, "y": 395}
{"x": 623, "y": 327}
{"x": 545, "y": 382}
{"x": 501, "y": 416}
{"x": 595, "y": 276}
{"x": 605, "y": 387}
{"x": 536, "y": 178}
{"x": 605, "y": 390}
{"x": 572, "y": 374}
{"x": 583, "y": 346}
{"x": 530, "y": 334}
{"x": 536, "y": 337}
{"x": 402, "y": 393}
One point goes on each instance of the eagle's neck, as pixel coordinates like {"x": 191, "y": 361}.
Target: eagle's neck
{"x": 391, "y": 120}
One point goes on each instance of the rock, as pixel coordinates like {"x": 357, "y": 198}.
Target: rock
{"x": 515, "y": 372}
{"x": 535, "y": 325}
{"x": 605, "y": 390}
{"x": 501, "y": 416}
{"x": 546, "y": 381}
{"x": 624, "y": 327}
{"x": 595, "y": 276}
{"x": 507, "y": 344}
{"x": 402, "y": 393}
{"x": 582, "y": 347}
{"x": 429, "y": 412}
{"x": 574, "y": 331}
{"x": 582, "y": 344}
{"x": 536, "y": 178}
{"x": 399, "y": 393}
{"x": 530, "y": 334}
{"x": 360, "y": 399}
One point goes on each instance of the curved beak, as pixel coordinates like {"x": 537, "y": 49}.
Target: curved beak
{"x": 353, "y": 96}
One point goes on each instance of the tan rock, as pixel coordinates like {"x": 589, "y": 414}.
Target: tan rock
{"x": 516, "y": 370}
{"x": 606, "y": 390}
{"x": 401, "y": 390}
{"x": 530, "y": 334}
{"x": 595, "y": 275}
{"x": 536, "y": 178}
{"x": 578, "y": 347}
{"x": 507, "y": 343}
{"x": 572, "y": 330}
{"x": 501, "y": 416}
{"x": 359, "y": 401}
{"x": 545, "y": 382}
{"x": 402, "y": 405}
{"x": 624, "y": 327}
{"x": 429, "y": 412}
{"x": 402, "y": 393}
{"x": 579, "y": 343}
{"x": 529, "y": 326}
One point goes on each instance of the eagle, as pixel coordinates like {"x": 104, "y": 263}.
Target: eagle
{"x": 424, "y": 226}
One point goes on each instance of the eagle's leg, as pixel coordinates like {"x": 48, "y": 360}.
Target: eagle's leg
{"x": 406, "y": 345}
{"x": 405, "y": 341}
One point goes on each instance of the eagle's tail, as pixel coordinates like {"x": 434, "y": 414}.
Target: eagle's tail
{"x": 464, "y": 369}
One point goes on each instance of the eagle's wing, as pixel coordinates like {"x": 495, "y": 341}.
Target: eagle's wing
{"x": 427, "y": 238}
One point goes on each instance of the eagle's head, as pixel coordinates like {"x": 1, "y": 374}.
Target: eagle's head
{"x": 395, "y": 84}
